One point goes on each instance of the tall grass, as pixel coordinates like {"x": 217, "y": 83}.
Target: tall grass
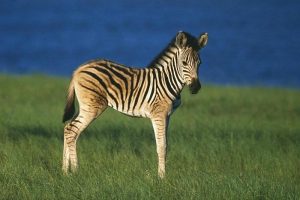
{"x": 223, "y": 143}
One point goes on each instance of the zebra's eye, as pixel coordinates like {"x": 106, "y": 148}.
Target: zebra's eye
{"x": 184, "y": 63}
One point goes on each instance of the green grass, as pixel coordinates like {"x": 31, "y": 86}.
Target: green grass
{"x": 224, "y": 143}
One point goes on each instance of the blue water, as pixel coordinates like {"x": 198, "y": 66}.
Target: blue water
{"x": 250, "y": 42}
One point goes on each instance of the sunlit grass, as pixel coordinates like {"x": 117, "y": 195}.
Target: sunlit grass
{"x": 224, "y": 143}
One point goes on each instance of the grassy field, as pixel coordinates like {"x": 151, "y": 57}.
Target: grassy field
{"x": 224, "y": 143}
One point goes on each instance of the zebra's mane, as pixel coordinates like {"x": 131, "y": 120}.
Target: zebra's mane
{"x": 191, "y": 42}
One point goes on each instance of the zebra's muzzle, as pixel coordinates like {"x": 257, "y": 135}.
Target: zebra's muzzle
{"x": 195, "y": 86}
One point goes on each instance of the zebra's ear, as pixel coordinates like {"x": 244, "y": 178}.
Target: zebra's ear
{"x": 202, "y": 41}
{"x": 181, "y": 39}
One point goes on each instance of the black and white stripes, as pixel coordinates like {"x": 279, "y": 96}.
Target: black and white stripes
{"x": 152, "y": 92}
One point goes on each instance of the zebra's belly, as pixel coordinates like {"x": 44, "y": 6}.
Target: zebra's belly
{"x": 141, "y": 112}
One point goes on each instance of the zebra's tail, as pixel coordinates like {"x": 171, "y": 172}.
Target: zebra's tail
{"x": 70, "y": 104}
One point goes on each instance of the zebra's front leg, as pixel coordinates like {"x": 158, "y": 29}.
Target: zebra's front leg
{"x": 160, "y": 125}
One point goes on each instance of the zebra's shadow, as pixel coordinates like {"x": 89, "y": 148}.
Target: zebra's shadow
{"x": 21, "y": 132}
{"x": 110, "y": 133}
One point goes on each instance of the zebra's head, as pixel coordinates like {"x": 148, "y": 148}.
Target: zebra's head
{"x": 189, "y": 59}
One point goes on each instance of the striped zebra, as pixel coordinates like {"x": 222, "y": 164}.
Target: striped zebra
{"x": 152, "y": 92}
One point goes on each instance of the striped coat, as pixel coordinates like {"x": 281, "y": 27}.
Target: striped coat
{"x": 152, "y": 92}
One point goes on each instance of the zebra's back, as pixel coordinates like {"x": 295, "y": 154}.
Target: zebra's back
{"x": 126, "y": 89}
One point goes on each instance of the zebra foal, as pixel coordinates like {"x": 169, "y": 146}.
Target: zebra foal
{"x": 152, "y": 92}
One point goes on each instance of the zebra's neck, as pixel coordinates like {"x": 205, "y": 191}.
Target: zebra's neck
{"x": 166, "y": 64}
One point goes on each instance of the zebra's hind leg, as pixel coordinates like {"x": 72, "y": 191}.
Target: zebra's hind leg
{"x": 66, "y": 158}
{"x": 72, "y": 131}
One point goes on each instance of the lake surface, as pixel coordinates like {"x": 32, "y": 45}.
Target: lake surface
{"x": 250, "y": 42}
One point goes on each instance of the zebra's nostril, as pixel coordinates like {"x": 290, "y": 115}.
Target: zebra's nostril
{"x": 195, "y": 86}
